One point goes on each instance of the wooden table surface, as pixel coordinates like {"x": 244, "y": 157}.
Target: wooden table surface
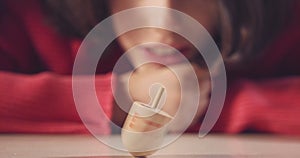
{"x": 212, "y": 146}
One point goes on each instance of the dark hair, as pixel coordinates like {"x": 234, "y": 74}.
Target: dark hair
{"x": 1, "y": 8}
{"x": 75, "y": 18}
{"x": 247, "y": 26}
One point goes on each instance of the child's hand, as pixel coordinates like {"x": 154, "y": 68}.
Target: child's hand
{"x": 147, "y": 75}
{"x": 142, "y": 79}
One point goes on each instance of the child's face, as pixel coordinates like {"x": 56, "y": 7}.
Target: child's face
{"x": 204, "y": 11}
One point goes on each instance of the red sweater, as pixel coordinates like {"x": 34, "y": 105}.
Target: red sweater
{"x": 36, "y": 93}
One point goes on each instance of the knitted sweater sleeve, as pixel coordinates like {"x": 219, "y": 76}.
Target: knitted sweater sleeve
{"x": 43, "y": 103}
{"x": 271, "y": 105}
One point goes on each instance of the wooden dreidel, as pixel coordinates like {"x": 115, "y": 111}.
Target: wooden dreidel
{"x": 145, "y": 127}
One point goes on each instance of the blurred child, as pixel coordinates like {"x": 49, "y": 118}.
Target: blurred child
{"x": 39, "y": 41}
